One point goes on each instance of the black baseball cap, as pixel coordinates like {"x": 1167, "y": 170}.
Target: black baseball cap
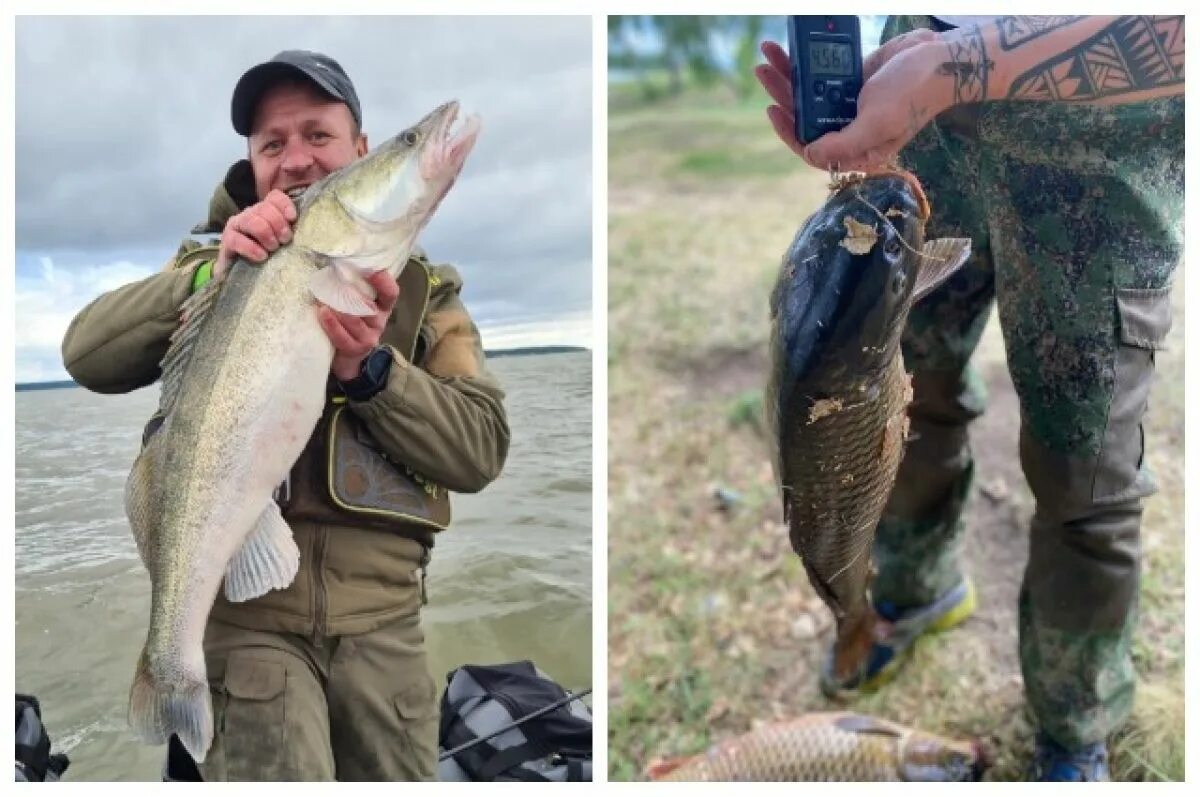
{"x": 320, "y": 69}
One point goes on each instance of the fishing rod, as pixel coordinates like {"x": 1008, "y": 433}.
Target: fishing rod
{"x": 530, "y": 716}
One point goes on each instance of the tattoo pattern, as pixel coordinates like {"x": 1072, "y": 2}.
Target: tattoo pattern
{"x": 1015, "y": 31}
{"x": 1132, "y": 54}
{"x": 969, "y": 65}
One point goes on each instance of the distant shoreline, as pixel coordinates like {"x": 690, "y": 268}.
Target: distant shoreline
{"x": 524, "y": 351}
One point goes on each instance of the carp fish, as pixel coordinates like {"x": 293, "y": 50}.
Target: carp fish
{"x": 830, "y": 747}
{"x": 243, "y": 386}
{"x": 837, "y": 394}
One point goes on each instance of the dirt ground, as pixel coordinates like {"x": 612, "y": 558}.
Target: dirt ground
{"x": 713, "y": 628}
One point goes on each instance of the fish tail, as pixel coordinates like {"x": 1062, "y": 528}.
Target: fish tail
{"x": 855, "y": 637}
{"x": 157, "y": 710}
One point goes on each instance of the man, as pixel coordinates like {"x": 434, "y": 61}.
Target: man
{"x": 1072, "y": 198}
{"x": 327, "y": 678}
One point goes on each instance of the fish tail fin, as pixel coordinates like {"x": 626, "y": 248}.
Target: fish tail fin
{"x": 157, "y": 710}
{"x": 855, "y": 637}
{"x": 659, "y": 768}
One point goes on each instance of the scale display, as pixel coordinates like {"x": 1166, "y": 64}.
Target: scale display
{"x": 830, "y": 58}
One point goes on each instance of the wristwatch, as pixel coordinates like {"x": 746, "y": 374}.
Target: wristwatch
{"x": 372, "y": 376}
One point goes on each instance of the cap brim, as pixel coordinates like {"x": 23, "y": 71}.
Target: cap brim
{"x": 258, "y": 79}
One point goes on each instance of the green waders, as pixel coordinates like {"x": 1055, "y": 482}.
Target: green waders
{"x": 1075, "y": 213}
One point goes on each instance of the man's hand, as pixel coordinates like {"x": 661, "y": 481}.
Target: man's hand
{"x": 902, "y": 90}
{"x": 354, "y": 337}
{"x": 256, "y": 232}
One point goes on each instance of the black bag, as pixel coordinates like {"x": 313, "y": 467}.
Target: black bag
{"x": 34, "y": 761}
{"x": 480, "y": 700}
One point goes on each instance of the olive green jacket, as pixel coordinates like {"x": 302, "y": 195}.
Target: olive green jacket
{"x": 441, "y": 415}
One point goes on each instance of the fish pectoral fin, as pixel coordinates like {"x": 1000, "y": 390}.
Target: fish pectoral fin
{"x": 267, "y": 560}
{"x": 861, "y": 723}
{"x": 341, "y": 285}
{"x": 158, "y": 710}
{"x": 940, "y": 258}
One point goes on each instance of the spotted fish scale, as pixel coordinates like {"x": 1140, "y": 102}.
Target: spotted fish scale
{"x": 828, "y": 747}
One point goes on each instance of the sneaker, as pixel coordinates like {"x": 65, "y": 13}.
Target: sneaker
{"x": 898, "y": 630}
{"x": 1052, "y": 761}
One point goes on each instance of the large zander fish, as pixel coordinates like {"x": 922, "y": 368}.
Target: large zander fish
{"x": 838, "y": 393}
{"x": 243, "y": 388}
{"x": 831, "y": 747}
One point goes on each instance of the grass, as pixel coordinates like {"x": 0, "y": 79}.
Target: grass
{"x": 713, "y": 628}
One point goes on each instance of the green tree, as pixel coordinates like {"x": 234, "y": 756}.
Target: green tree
{"x": 687, "y": 48}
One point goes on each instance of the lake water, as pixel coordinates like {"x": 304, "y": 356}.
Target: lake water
{"x": 511, "y": 579}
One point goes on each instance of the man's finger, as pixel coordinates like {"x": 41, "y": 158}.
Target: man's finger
{"x": 256, "y": 227}
{"x": 283, "y": 203}
{"x": 779, "y": 87}
{"x": 785, "y": 127}
{"x": 358, "y": 330}
{"x": 274, "y": 218}
{"x": 851, "y": 149}
{"x": 335, "y": 328}
{"x": 241, "y": 246}
{"x": 893, "y": 47}
{"x": 387, "y": 290}
{"x": 777, "y": 57}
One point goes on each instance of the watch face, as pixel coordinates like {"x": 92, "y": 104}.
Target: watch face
{"x": 377, "y": 364}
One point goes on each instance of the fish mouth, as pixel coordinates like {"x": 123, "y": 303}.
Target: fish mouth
{"x": 852, "y": 179}
{"x": 448, "y": 147}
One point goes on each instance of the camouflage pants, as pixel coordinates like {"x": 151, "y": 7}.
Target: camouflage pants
{"x": 359, "y": 707}
{"x": 1075, "y": 214}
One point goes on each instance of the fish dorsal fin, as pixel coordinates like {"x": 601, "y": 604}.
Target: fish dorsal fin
{"x": 193, "y": 313}
{"x": 940, "y": 258}
{"x": 861, "y": 723}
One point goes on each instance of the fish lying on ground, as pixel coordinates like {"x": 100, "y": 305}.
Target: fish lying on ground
{"x": 830, "y": 747}
{"x": 243, "y": 389}
{"x": 838, "y": 394}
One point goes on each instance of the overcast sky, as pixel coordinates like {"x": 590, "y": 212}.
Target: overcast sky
{"x": 123, "y": 132}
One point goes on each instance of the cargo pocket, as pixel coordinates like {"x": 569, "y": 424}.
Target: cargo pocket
{"x": 252, "y": 727}
{"x": 1144, "y": 315}
{"x": 417, "y": 709}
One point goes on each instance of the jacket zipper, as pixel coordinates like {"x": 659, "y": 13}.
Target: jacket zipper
{"x": 423, "y": 574}
{"x": 318, "y": 566}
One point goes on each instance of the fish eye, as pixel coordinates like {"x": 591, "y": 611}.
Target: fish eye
{"x": 892, "y": 247}
{"x": 411, "y": 137}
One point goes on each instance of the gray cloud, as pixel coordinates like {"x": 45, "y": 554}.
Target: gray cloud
{"x": 122, "y": 132}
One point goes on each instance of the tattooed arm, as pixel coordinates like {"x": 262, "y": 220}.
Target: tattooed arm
{"x": 1103, "y": 60}
{"x": 914, "y": 77}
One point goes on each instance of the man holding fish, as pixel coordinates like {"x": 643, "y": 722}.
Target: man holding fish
{"x": 1055, "y": 144}
{"x": 360, "y": 410}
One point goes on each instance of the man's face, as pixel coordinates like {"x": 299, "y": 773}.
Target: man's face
{"x": 299, "y": 136}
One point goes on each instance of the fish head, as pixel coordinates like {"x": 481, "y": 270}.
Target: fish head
{"x": 847, "y": 281}
{"x": 371, "y": 211}
{"x": 928, "y": 757}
